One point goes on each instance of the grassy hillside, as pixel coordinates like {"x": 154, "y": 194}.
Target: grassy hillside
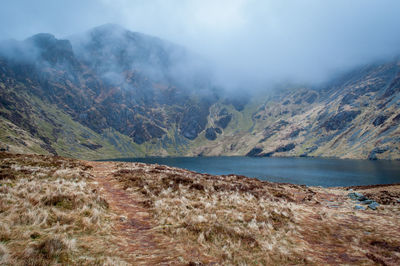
{"x": 51, "y": 214}
{"x": 54, "y": 131}
{"x": 82, "y": 99}
{"x": 55, "y": 210}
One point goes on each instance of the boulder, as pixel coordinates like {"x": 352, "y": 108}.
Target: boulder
{"x": 367, "y": 202}
{"x": 357, "y": 196}
{"x": 359, "y": 207}
{"x": 352, "y": 195}
{"x": 374, "y": 205}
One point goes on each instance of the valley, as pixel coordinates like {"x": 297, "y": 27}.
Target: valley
{"x": 111, "y": 93}
{"x": 248, "y": 132}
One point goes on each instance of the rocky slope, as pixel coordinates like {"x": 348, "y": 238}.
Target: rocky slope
{"x": 108, "y": 94}
{"x": 114, "y": 93}
{"x": 354, "y": 116}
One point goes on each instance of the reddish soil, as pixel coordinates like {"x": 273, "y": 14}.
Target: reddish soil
{"x": 327, "y": 228}
{"x": 331, "y": 242}
{"x": 135, "y": 226}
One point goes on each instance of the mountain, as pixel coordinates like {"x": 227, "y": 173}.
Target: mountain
{"x": 111, "y": 93}
{"x": 355, "y": 116}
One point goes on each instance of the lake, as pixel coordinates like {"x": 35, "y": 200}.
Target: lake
{"x": 308, "y": 171}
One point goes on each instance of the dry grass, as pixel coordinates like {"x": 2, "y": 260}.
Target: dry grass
{"x": 243, "y": 221}
{"x": 50, "y": 214}
{"x": 62, "y": 211}
{"x": 234, "y": 219}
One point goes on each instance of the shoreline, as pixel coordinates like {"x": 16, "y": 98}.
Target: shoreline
{"x": 77, "y": 212}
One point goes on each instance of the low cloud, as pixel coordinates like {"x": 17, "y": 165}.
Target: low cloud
{"x": 250, "y": 42}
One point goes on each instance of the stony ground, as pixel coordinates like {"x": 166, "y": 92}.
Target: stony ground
{"x": 55, "y": 210}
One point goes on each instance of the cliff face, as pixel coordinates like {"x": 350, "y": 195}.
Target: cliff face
{"x": 114, "y": 93}
{"x": 358, "y": 117}
{"x": 110, "y": 84}
{"x": 355, "y": 116}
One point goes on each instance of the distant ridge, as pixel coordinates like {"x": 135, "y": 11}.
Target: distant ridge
{"x": 110, "y": 92}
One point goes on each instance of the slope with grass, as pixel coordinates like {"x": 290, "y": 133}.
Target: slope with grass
{"x": 111, "y": 93}
{"x": 355, "y": 116}
{"x": 57, "y": 210}
{"x": 51, "y": 213}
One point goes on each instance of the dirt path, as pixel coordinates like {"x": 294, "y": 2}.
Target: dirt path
{"x": 135, "y": 226}
{"x": 327, "y": 228}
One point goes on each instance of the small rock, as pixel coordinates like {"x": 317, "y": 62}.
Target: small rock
{"x": 360, "y": 196}
{"x": 352, "y": 195}
{"x": 373, "y": 206}
{"x": 356, "y": 196}
{"x": 366, "y": 202}
{"x": 358, "y": 207}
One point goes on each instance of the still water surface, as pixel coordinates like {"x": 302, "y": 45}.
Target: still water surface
{"x": 308, "y": 171}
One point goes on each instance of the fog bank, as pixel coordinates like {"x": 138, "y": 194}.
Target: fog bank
{"x": 250, "y": 42}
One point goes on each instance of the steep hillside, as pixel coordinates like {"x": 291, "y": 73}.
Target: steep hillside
{"x": 355, "y": 116}
{"x": 111, "y": 93}
{"x": 117, "y": 93}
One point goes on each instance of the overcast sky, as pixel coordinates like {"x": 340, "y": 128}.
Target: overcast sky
{"x": 249, "y": 40}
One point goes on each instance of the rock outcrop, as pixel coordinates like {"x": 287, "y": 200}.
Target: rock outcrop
{"x": 115, "y": 93}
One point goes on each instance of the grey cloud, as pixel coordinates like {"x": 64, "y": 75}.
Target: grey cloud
{"x": 250, "y": 42}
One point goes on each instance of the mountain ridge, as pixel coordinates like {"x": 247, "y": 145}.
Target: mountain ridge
{"x": 114, "y": 93}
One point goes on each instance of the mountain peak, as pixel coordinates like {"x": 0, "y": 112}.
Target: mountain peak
{"x": 49, "y": 48}
{"x": 108, "y": 28}
{"x": 43, "y": 40}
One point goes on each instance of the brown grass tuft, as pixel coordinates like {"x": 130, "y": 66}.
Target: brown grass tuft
{"x": 50, "y": 214}
{"x": 62, "y": 211}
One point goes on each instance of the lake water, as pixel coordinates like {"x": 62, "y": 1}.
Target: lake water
{"x": 308, "y": 171}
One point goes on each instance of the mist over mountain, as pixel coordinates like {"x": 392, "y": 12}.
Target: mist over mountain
{"x": 110, "y": 92}
{"x": 114, "y": 78}
{"x": 96, "y": 94}
{"x": 250, "y": 43}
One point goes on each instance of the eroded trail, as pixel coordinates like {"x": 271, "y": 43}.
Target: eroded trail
{"x": 115, "y": 213}
{"x": 135, "y": 227}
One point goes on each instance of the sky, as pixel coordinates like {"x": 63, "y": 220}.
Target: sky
{"x": 247, "y": 40}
